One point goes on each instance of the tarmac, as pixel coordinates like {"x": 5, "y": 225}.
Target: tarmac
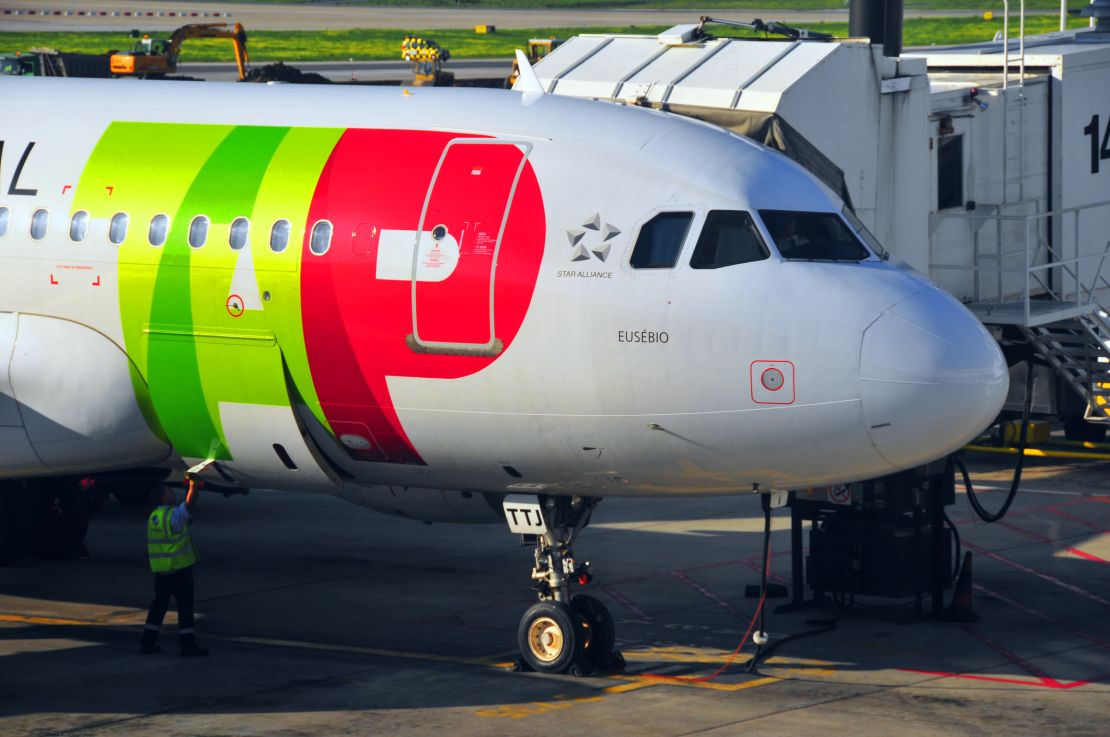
{"x": 328, "y": 619}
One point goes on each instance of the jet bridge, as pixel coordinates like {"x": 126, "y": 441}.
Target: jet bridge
{"x": 986, "y": 167}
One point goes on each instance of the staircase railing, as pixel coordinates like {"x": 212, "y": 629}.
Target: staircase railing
{"x": 1043, "y": 273}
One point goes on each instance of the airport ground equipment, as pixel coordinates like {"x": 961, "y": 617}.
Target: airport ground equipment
{"x": 44, "y": 62}
{"x": 885, "y": 537}
{"x": 427, "y": 59}
{"x": 986, "y": 167}
{"x": 158, "y": 57}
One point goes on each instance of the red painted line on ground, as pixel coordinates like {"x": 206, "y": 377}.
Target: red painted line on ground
{"x": 1086, "y": 556}
{"x": 1055, "y": 685}
{"x": 1040, "y": 615}
{"x": 1044, "y": 576}
{"x": 757, "y": 566}
{"x": 624, "y": 600}
{"x": 1048, "y": 541}
{"x": 1078, "y": 520}
{"x": 709, "y": 595}
{"x": 1012, "y": 657}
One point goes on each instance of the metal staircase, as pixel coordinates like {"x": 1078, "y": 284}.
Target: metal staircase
{"x": 1077, "y": 349}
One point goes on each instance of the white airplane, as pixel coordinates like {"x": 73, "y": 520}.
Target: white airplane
{"x": 424, "y": 300}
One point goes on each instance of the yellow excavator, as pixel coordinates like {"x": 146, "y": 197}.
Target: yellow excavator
{"x": 158, "y": 57}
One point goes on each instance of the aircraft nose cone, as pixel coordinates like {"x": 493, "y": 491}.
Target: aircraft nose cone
{"x": 931, "y": 378}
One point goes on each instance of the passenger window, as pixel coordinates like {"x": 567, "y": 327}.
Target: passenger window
{"x": 198, "y": 231}
{"x": 660, "y": 240}
{"x": 812, "y": 236}
{"x": 159, "y": 229}
{"x": 5, "y": 220}
{"x": 79, "y": 226}
{"x": 117, "y": 228}
{"x": 279, "y": 236}
{"x": 237, "y": 236}
{"x": 39, "y": 222}
{"x": 729, "y": 237}
{"x": 321, "y": 238}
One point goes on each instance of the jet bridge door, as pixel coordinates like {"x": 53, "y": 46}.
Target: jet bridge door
{"x": 458, "y": 241}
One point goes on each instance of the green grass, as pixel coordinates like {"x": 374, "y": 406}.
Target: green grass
{"x": 376, "y": 44}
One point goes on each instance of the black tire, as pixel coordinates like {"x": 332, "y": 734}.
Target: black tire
{"x": 551, "y": 637}
{"x": 61, "y": 518}
{"x": 602, "y": 633}
{"x": 1078, "y": 429}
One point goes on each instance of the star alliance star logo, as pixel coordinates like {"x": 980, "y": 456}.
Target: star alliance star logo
{"x": 592, "y": 239}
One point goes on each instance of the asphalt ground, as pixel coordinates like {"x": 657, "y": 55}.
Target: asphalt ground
{"x": 51, "y": 15}
{"x": 328, "y": 619}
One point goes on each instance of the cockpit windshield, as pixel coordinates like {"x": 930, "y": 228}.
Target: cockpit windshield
{"x": 813, "y": 236}
{"x": 862, "y": 231}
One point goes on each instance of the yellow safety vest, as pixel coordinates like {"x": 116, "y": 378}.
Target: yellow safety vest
{"x": 169, "y": 551}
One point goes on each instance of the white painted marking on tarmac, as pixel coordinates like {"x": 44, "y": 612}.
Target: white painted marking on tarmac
{"x": 1053, "y": 492}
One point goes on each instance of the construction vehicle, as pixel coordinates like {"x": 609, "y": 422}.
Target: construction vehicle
{"x": 427, "y": 59}
{"x": 158, "y": 57}
{"x": 43, "y": 62}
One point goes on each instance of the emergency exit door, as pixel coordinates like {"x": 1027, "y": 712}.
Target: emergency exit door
{"x": 458, "y": 241}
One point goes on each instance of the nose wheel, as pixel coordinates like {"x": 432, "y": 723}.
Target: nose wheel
{"x": 551, "y": 637}
{"x": 562, "y": 633}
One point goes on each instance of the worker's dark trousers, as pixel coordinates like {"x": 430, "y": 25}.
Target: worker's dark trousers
{"x": 179, "y": 585}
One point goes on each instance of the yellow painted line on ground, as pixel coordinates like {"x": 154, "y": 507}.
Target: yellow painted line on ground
{"x": 20, "y": 619}
{"x": 662, "y": 680}
{"x": 1038, "y": 453}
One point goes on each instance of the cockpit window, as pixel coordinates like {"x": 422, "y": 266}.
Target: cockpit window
{"x": 862, "y": 231}
{"x": 813, "y": 236}
{"x": 660, "y": 240}
{"x": 729, "y": 237}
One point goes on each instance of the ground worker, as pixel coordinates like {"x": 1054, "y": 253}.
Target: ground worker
{"x": 172, "y": 557}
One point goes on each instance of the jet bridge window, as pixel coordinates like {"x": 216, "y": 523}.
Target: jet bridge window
{"x": 660, "y": 240}
{"x": 5, "y": 220}
{"x": 198, "y": 231}
{"x": 79, "y": 226}
{"x": 159, "y": 229}
{"x": 950, "y": 171}
{"x": 237, "y": 236}
{"x": 321, "y": 238}
{"x": 117, "y": 228}
{"x": 729, "y": 237}
{"x": 39, "y": 220}
{"x": 813, "y": 236}
{"x": 279, "y": 236}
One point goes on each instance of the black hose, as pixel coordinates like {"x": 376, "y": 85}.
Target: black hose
{"x": 959, "y": 547}
{"x": 766, "y": 500}
{"x": 984, "y": 515}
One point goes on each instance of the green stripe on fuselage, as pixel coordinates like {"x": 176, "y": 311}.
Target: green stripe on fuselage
{"x": 191, "y": 350}
{"x": 224, "y": 188}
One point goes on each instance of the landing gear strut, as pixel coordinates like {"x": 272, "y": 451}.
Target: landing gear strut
{"x": 562, "y": 633}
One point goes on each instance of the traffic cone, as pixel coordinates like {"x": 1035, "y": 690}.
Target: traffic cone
{"x": 960, "y": 608}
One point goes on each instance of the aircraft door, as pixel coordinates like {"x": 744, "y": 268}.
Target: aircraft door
{"x": 457, "y": 243}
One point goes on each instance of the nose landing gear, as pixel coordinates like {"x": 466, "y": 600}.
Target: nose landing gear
{"x": 562, "y": 633}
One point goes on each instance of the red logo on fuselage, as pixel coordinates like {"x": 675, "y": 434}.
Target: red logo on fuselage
{"x": 456, "y": 212}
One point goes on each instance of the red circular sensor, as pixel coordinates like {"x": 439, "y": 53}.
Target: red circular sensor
{"x": 772, "y": 379}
